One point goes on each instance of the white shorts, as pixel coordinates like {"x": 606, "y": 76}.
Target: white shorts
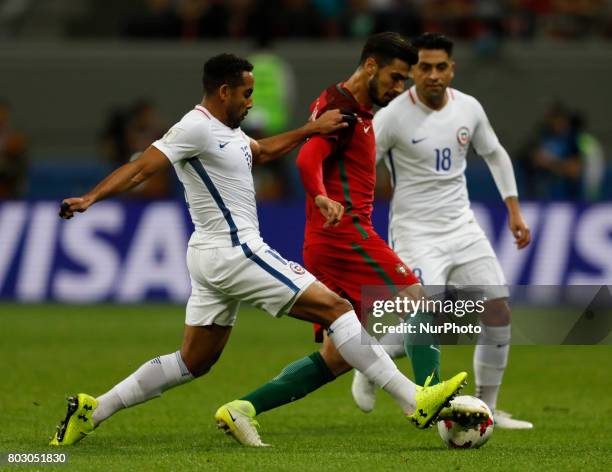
{"x": 253, "y": 272}
{"x": 466, "y": 258}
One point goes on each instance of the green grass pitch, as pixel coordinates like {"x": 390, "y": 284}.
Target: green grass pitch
{"x": 50, "y": 351}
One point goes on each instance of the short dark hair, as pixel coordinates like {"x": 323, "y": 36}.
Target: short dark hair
{"x": 224, "y": 69}
{"x": 433, "y": 41}
{"x": 385, "y": 47}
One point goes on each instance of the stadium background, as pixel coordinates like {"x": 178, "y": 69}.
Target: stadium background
{"x": 84, "y": 84}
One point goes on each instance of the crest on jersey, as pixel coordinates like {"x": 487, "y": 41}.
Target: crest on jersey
{"x": 295, "y": 267}
{"x": 463, "y": 136}
{"x": 366, "y": 128}
{"x": 402, "y": 270}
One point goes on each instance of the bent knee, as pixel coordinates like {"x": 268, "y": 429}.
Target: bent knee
{"x": 340, "y": 306}
{"x": 333, "y": 307}
{"x": 197, "y": 365}
{"x": 336, "y": 305}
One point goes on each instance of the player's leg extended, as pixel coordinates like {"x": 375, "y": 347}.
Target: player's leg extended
{"x": 387, "y": 268}
{"x": 297, "y": 379}
{"x": 379, "y": 266}
{"x": 294, "y": 381}
{"x": 316, "y": 303}
{"x": 348, "y": 341}
{"x": 202, "y": 346}
{"x": 363, "y": 352}
{"x": 422, "y": 349}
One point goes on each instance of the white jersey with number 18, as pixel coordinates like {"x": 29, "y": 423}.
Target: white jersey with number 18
{"x": 425, "y": 151}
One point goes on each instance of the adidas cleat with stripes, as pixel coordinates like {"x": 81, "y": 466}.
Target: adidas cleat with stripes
{"x": 78, "y": 422}
{"x": 430, "y": 401}
{"x": 237, "y": 419}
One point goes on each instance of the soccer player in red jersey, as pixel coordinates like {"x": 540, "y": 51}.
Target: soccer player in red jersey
{"x": 341, "y": 247}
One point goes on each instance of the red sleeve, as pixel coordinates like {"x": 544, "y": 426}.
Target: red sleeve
{"x": 310, "y": 164}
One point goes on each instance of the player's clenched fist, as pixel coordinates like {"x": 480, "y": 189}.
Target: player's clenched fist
{"x": 71, "y": 205}
{"x": 331, "y": 210}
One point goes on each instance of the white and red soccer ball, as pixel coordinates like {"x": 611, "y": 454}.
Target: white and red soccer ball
{"x": 459, "y": 436}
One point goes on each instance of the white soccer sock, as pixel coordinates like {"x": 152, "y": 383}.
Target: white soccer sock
{"x": 149, "y": 381}
{"x": 393, "y": 344}
{"x": 364, "y": 353}
{"x": 490, "y": 360}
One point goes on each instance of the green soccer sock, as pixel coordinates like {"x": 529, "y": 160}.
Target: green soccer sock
{"x": 295, "y": 381}
{"x": 423, "y": 349}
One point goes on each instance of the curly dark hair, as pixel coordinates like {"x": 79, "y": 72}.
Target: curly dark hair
{"x": 224, "y": 69}
{"x": 385, "y": 47}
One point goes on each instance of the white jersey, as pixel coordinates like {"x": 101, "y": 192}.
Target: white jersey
{"x": 425, "y": 151}
{"x": 214, "y": 162}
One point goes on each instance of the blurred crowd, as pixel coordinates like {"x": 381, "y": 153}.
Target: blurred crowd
{"x": 13, "y": 155}
{"x": 463, "y": 19}
{"x": 192, "y": 19}
{"x": 128, "y": 131}
{"x": 562, "y": 160}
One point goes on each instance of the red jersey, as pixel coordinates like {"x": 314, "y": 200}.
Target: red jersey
{"x": 348, "y": 171}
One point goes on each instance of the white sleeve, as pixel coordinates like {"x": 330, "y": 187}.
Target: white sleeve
{"x": 500, "y": 166}
{"x": 485, "y": 140}
{"x": 383, "y": 133}
{"x": 184, "y": 140}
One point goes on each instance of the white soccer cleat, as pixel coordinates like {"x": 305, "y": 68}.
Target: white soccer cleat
{"x": 364, "y": 392}
{"x": 237, "y": 419}
{"x": 504, "y": 420}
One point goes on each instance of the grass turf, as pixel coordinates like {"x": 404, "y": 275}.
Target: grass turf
{"x": 49, "y": 351}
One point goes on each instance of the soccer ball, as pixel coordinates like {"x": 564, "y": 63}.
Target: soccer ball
{"x": 456, "y": 435}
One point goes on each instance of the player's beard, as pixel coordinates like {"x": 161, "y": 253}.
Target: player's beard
{"x": 373, "y": 93}
{"x": 235, "y": 117}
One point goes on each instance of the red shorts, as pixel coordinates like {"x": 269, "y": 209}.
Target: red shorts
{"x": 346, "y": 268}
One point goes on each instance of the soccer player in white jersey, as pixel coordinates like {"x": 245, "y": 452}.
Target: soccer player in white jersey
{"x": 423, "y": 136}
{"x": 228, "y": 261}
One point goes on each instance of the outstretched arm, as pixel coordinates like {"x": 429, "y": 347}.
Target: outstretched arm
{"x": 121, "y": 180}
{"x": 275, "y": 147}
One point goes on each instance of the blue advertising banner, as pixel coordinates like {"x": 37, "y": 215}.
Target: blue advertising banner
{"x": 131, "y": 252}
